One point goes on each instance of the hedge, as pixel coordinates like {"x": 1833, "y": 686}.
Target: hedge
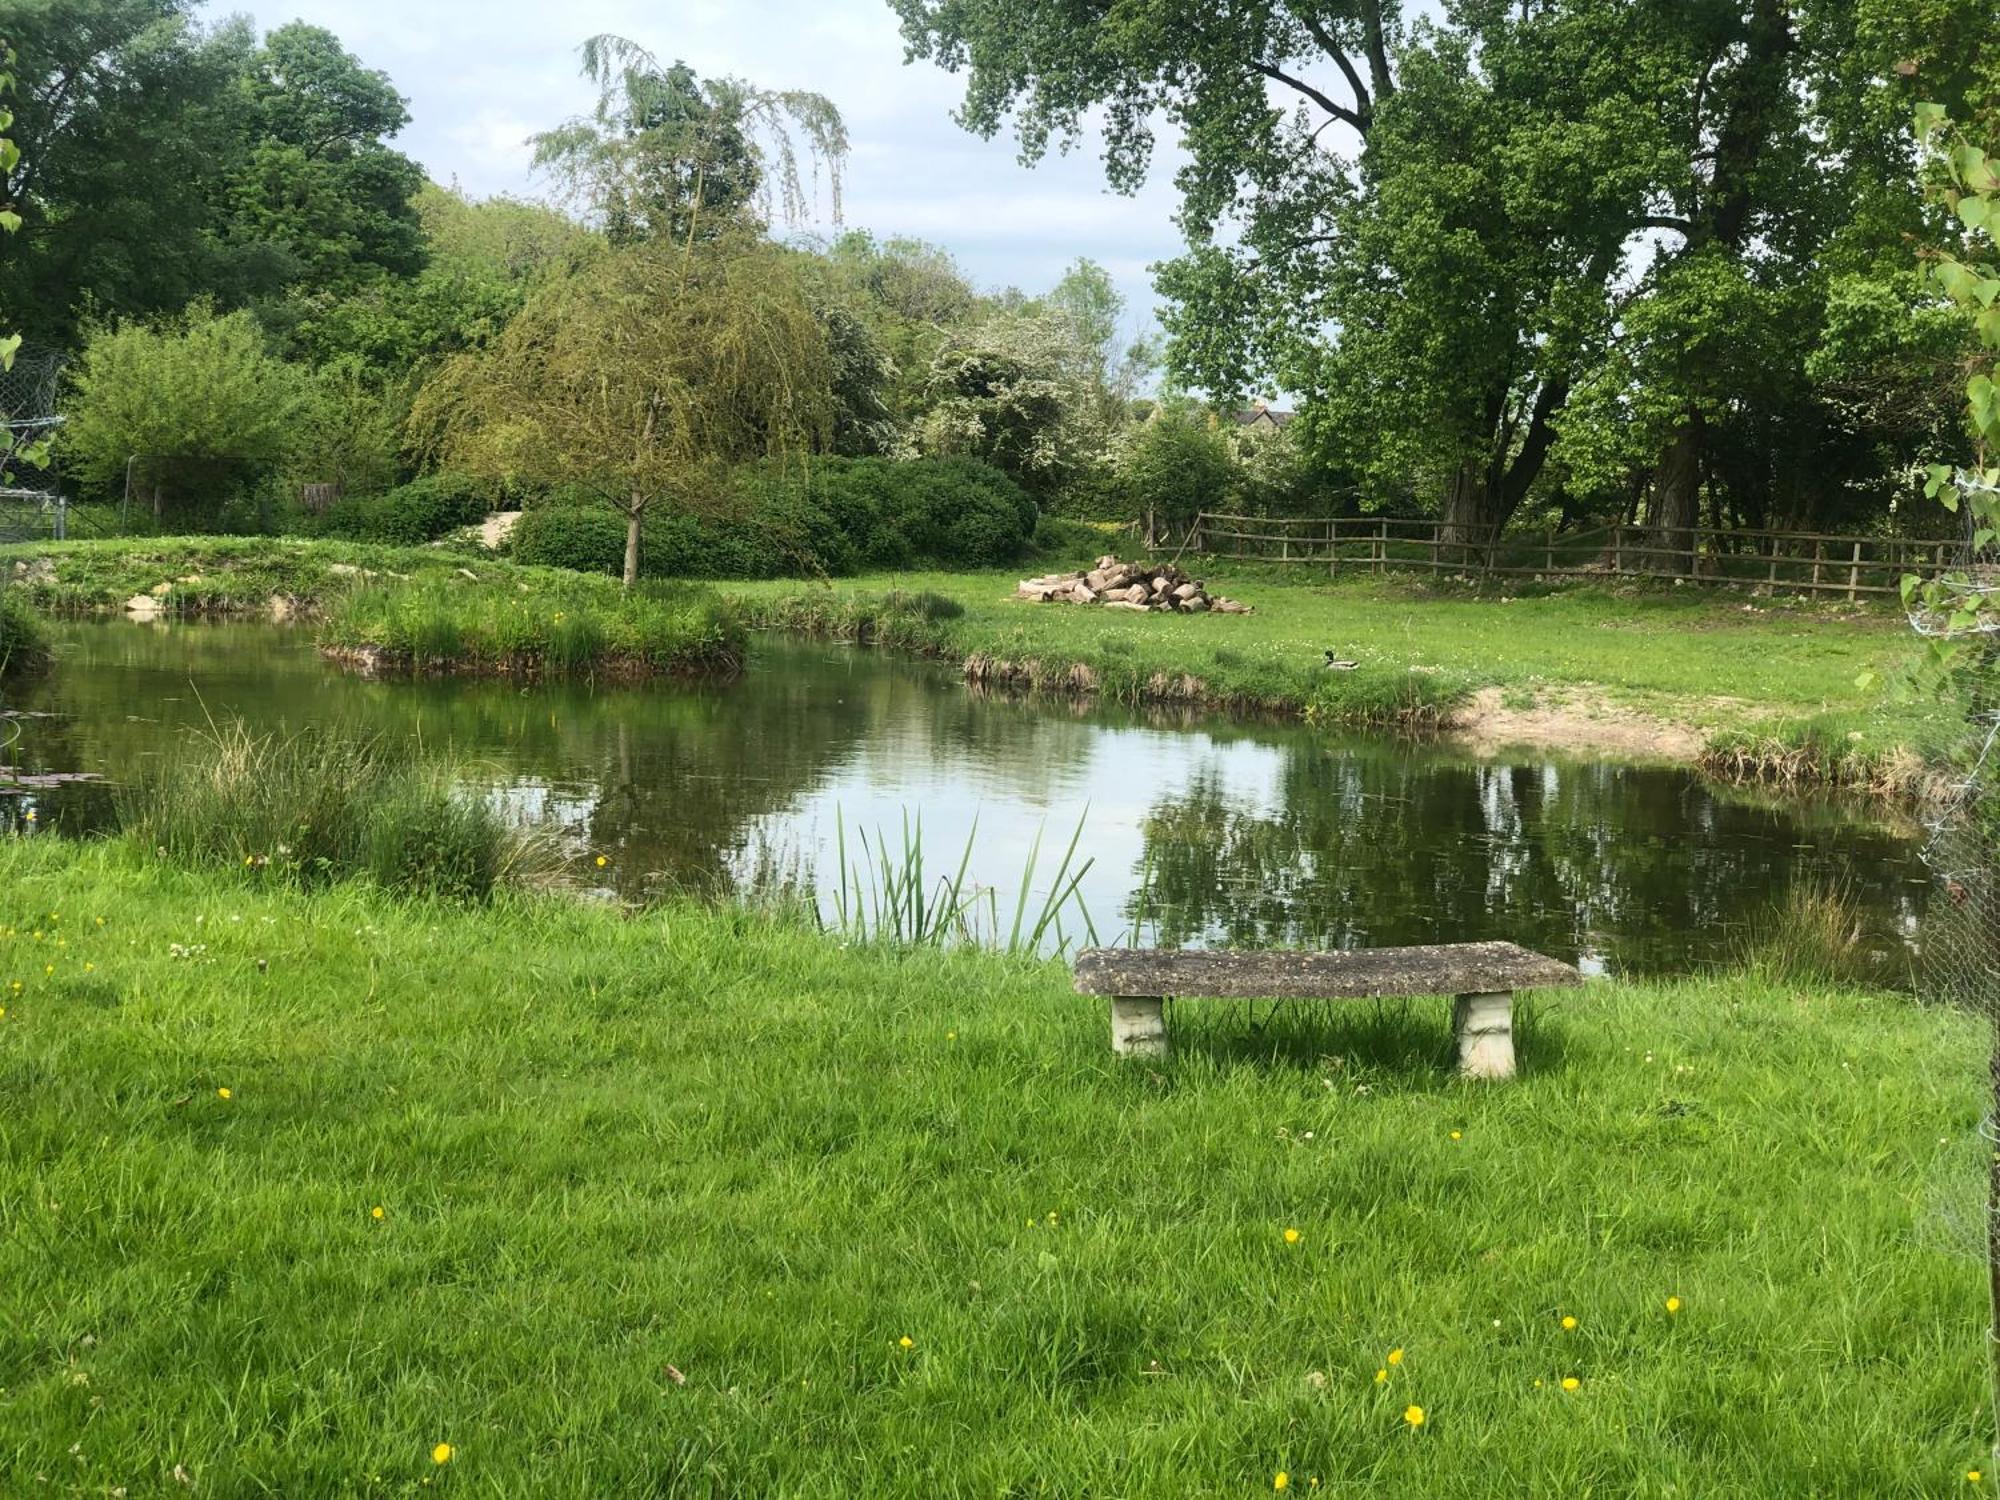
{"x": 409, "y": 515}
{"x": 843, "y": 516}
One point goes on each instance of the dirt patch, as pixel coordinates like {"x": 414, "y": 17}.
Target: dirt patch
{"x": 1598, "y": 726}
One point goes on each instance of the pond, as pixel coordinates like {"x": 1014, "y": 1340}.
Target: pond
{"x": 1199, "y": 831}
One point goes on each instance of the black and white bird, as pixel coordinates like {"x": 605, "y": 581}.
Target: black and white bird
{"x": 1337, "y": 664}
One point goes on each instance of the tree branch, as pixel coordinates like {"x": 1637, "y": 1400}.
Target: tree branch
{"x": 1364, "y": 109}
{"x": 1378, "y": 52}
{"x": 1666, "y": 221}
{"x": 1299, "y": 85}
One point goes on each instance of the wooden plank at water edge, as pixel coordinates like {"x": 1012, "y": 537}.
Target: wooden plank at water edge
{"x": 1354, "y": 974}
{"x": 1482, "y": 978}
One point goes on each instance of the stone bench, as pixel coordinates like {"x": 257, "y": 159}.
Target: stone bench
{"x": 1482, "y": 976}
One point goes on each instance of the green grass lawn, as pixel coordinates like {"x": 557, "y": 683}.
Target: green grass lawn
{"x": 1714, "y": 658}
{"x": 604, "y": 1145}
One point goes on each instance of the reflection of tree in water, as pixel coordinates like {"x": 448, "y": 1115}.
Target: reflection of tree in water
{"x": 1646, "y": 866}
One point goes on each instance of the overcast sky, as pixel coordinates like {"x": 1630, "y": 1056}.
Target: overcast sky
{"x": 480, "y": 77}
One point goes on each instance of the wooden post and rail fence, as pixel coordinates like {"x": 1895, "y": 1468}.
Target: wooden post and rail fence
{"x": 1785, "y": 561}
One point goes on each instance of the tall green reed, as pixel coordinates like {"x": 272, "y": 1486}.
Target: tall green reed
{"x": 883, "y": 895}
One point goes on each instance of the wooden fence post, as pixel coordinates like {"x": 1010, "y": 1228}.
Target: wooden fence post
{"x": 1819, "y": 559}
{"x": 1549, "y": 544}
{"x": 1618, "y": 548}
{"x": 1854, "y": 573}
{"x": 1382, "y": 546}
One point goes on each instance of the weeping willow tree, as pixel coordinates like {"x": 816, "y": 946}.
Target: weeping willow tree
{"x": 642, "y": 379}
{"x": 668, "y": 155}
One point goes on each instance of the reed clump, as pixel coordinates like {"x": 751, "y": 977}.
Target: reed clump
{"x": 1819, "y": 935}
{"x": 24, "y": 646}
{"x": 308, "y": 810}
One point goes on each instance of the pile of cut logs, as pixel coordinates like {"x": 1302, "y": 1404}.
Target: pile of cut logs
{"x": 1134, "y": 586}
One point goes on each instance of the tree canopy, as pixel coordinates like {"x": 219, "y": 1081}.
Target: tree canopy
{"x": 1600, "y": 252}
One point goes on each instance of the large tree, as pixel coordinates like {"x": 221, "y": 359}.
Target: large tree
{"x": 161, "y": 162}
{"x": 1443, "y": 234}
{"x": 124, "y": 117}
{"x": 317, "y": 187}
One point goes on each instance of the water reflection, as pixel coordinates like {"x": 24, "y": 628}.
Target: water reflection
{"x": 1200, "y": 834}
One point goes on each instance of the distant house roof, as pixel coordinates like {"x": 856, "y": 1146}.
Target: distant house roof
{"x": 1260, "y": 415}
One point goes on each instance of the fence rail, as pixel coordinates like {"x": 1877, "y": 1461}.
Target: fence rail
{"x": 1793, "y": 561}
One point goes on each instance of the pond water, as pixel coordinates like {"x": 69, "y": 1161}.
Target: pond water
{"x": 1200, "y": 831}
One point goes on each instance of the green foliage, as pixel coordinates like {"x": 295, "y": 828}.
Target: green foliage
{"x": 310, "y": 809}
{"x": 1579, "y": 255}
{"x": 583, "y": 538}
{"x": 346, "y": 430}
{"x": 421, "y": 511}
{"x": 164, "y": 162}
{"x": 1016, "y": 392}
{"x": 1959, "y": 611}
{"x": 318, "y": 188}
{"x": 910, "y": 293}
{"x": 640, "y": 379}
{"x": 1819, "y": 934}
{"x": 839, "y": 516}
{"x": 197, "y": 386}
{"x": 1175, "y": 465}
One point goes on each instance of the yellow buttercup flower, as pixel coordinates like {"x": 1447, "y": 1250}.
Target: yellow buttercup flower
{"x": 1414, "y": 1415}
{"x": 1291, "y": 1236}
{"x": 1673, "y": 1304}
{"x": 1569, "y": 1323}
{"x": 224, "y": 1094}
{"x": 1282, "y": 1481}
{"x": 907, "y": 1342}
{"x": 1458, "y": 1135}
{"x": 1570, "y": 1382}
{"x": 375, "y": 1212}
{"x": 602, "y": 861}
{"x": 1381, "y": 1376}
{"x": 441, "y": 1454}
{"x": 1973, "y": 1476}
{"x": 1395, "y": 1356}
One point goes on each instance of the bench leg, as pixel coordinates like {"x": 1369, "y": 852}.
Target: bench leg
{"x": 1139, "y": 1026}
{"x": 1484, "y": 1025}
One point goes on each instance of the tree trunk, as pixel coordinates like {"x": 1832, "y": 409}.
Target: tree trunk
{"x": 1468, "y": 518}
{"x": 632, "y": 515}
{"x": 1676, "y": 508}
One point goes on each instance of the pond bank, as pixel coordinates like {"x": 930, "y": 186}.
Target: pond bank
{"x": 1748, "y": 691}
{"x": 325, "y": 1153}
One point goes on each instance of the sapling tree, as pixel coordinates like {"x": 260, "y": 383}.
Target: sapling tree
{"x": 641, "y": 379}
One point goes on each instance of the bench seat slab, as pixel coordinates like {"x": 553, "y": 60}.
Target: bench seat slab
{"x": 1353, "y": 974}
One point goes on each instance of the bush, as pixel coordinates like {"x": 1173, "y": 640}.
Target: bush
{"x": 1067, "y": 540}
{"x": 321, "y": 807}
{"x": 585, "y": 538}
{"x": 23, "y": 646}
{"x": 843, "y": 516}
{"x": 409, "y": 515}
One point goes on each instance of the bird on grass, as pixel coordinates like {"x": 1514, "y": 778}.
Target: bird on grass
{"x": 1339, "y": 664}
